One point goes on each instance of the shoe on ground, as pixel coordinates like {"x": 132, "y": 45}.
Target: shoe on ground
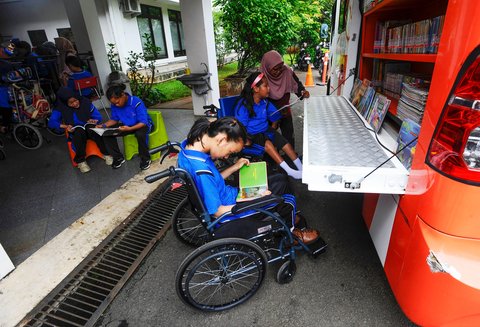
{"x": 84, "y": 167}
{"x": 108, "y": 160}
{"x": 117, "y": 163}
{"x": 306, "y": 235}
{"x": 144, "y": 165}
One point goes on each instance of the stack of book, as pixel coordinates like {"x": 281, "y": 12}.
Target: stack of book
{"x": 406, "y": 37}
{"x": 413, "y": 98}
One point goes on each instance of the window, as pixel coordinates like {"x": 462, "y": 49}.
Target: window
{"x": 66, "y": 33}
{"x": 150, "y": 22}
{"x": 176, "y": 29}
{"x": 37, "y": 37}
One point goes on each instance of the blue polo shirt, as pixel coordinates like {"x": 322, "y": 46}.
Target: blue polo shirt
{"x": 264, "y": 112}
{"x": 56, "y": 117}
{"x": 132, "y": 113}
{"x": 76, "y": 76}
{"x": 210, "y": 184}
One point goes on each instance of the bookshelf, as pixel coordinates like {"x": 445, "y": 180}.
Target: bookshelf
{"x": 407, "y": 12}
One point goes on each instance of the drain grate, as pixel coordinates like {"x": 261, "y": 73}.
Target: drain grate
{"x": 85, "y": 293}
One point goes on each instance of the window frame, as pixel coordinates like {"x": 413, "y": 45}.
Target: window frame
{"x": 178, "y": 19}
{"x": 148, "y": 16}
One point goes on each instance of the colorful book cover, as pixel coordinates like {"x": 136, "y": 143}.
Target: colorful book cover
{"x": 408, "y": 132}
{"x": 359, "y": 92}
{"x": 253, "y": 182}
{"x": 378, "y": 112}
{"x": 365, "y": 103}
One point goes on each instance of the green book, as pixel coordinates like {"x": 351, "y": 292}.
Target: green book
{"x": 252, "y": 181}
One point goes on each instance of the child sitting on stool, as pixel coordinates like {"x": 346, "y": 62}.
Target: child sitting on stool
{"x": 76, "y": 67}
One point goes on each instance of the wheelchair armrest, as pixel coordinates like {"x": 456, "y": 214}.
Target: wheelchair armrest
{"x": 256, "y": 203}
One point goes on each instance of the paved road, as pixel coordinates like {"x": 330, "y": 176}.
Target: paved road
{"x": 346, "y": 286}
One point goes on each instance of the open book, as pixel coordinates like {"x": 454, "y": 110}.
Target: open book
{"x": 253, "y": 181}
{"x": 83, "y": 126}
{"x": 107, "y": 131}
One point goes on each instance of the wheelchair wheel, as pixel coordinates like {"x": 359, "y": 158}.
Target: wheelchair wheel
{"x": 286, "y": 272}
{"x": 221, "y": 274}
{"x": 186, "y": 226}
{"x": 27, "y": 136}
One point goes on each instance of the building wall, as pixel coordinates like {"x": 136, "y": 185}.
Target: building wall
{"x": 16, "y": 18}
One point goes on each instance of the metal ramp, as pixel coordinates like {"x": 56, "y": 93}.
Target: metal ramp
{"x": 341, "y": 155}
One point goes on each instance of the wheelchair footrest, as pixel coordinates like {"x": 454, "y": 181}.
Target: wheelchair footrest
{"x": 317, "y": 247}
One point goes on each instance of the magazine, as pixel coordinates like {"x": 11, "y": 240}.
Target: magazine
{"x": 408, "y": 131}
{"x": 378, "y": 112}
{"x": 253, "y": 181}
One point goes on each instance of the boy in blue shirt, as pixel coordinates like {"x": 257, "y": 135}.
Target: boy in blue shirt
{"x": 76, "y": 66}
{"x": 131, "y": 112}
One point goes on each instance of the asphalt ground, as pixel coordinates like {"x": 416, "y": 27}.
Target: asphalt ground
{"x": 345, "y": 286}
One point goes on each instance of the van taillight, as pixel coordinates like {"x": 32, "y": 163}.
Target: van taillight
{"x": 455, "y": 147}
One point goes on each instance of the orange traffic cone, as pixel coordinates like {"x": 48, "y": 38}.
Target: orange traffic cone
{"x": 309, "y": 79}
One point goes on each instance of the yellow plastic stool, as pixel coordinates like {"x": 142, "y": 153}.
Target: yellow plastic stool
{"x": 157, "y": 137}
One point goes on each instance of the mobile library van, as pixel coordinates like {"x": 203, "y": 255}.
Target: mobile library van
{"x": 420, "y": 172}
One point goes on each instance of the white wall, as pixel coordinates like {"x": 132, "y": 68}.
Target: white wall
{"x": 16, "y": 18}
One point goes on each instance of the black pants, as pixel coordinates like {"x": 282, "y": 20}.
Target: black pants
{"x": 141, "y": 135}
{"x": 6, "y": 116}
{"x": 79, "y": 139}
{"x": 286, "y": 126}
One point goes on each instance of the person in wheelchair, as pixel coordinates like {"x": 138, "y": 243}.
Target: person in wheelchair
{"x": 208, "y": 141}
{"x": 256, "y": 112}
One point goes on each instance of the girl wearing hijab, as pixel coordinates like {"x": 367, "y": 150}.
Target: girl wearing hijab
{"x": 282, "y": 81}
{"x": 72, "y": 113}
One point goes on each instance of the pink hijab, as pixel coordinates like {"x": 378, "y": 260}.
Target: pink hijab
{"x": 281, "y": 84}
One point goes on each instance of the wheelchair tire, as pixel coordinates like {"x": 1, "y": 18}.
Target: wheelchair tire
{"x": 221, "y": 274}
{"x": 27, "y": 136}
{"x": 286, "y": 272}
{"x": 186, "y": 226}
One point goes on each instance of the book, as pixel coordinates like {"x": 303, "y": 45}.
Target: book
{"x": 253, "y": 182}
{"x": 107, "y": 131}
{"x": 408, "y": 132}
{"x": 378, "y": 111}
{"x": 82, "y": 126}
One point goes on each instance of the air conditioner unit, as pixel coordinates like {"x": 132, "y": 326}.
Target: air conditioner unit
{"x": 132, "y": 7}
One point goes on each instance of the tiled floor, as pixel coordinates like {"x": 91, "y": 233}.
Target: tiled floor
{"x": 41, "y": 193}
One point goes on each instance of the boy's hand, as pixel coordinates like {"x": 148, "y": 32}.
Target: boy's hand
{"x": 125, "y": 128}
{"x": 241, "y": 162}
{"x": 305, "y": 94}
{"x": 92, "y": 121}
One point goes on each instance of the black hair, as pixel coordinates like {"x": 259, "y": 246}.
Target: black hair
{"x": 115, "y": 90}
{"x": 234, "y": 129}
{"x": 246, "y": 95}
{"x": 22, "y": 49}
{"x": 74, "y": 61}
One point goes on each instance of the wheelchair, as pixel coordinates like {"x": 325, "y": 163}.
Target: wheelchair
{"x": 230, "y": 261}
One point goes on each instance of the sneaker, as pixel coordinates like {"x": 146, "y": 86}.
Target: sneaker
{"x": 144, "y": 165}
{"x": 117, "y": 163}
{"x": 84, "y": 167}
{"x": 108, "y": 160}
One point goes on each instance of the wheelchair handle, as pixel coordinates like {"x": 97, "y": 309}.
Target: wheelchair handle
{"x": 164, "y": 173}
{"x": 169, "y": 145}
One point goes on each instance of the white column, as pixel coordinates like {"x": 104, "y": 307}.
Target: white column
{"x": 197, "y": 23}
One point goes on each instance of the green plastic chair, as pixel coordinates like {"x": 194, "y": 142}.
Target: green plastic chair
{"x": 156, "y": 137}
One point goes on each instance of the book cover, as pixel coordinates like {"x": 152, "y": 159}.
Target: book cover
{"x": 408, "y": 132}
{"x": 359, "y": 92}
{"x": 378, "y": 112}
{"x": 366, "y": 102}
{"x": 253, "y": 181}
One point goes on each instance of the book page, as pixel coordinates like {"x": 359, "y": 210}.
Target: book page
{"x": 252, "y": 181}
{"x": 107, "y": 131}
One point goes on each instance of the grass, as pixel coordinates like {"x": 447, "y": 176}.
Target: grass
{"x": 173, "y": 89}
